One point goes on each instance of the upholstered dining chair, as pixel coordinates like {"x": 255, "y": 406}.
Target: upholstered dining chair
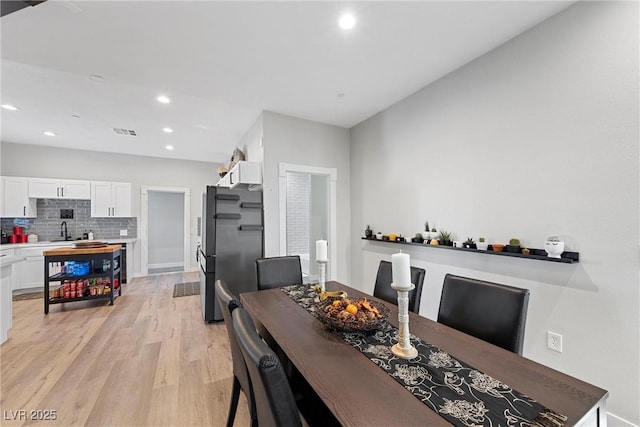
{"x": 490, "y": 311}
{"x": 228, "y": 303}
{"x": 383, "y": 290}
{"x": 279, "y": 271}
{"x": 275, "y": 403}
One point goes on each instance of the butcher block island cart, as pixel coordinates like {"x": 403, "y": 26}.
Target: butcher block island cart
{"x": 88, "y": 271}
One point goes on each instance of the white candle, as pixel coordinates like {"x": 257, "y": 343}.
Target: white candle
{"x": 321, "y": 250}
{"x": 401, "y": 269}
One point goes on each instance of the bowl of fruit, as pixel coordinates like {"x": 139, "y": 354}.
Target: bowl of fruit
{"x": 352, "y": 315}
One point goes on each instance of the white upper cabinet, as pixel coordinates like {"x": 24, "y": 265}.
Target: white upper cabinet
{"x": 243, "y": 174}
{"x": 15, "y": 198}
{"x": 44, "y": 188}
{"x": 110, "y": 199}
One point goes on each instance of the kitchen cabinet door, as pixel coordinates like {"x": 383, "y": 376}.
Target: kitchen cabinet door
{"x": 121, "y": 193}
{"x": 110, "y": 199}
{"x": 43, "y": 188}
{"x": 75, "y": 189}
{"x": 15, "y": 198}
{"x": 100, "y": 198}
{"x": 32, "y": 274}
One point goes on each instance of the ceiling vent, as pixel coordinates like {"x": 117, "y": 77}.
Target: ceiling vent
{"x": 129, "y": 132}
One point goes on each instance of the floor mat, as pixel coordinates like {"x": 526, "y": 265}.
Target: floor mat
{"x": 186, "y": 289}
{"x": 30, "y": 295}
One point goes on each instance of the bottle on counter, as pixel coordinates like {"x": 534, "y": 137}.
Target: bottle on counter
{"x": 85, "y": 235}
{"x": 90, "y": 235}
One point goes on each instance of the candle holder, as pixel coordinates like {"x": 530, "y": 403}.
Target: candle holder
{"x": 322, "y": 268}
{"x": 403, "y": 349}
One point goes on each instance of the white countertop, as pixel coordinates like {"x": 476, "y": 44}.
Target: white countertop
{"x": 62, "y": 243}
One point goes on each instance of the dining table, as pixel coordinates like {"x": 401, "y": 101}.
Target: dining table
{"x": 359, "y": 393}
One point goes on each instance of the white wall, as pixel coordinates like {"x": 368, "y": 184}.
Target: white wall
{"x": 166, "y": 228}
{"x": 302, "y": 142}
{"x": 251, "y": 143}
{"x": 49, "y": 162}
{"x": 538, "y": 137}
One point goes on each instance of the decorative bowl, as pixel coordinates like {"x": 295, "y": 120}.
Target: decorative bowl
{"x": 497, "y": 247}
{"x": 352, "y": 323}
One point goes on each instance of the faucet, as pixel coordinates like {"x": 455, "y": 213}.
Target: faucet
{"x": 63, "y": 230}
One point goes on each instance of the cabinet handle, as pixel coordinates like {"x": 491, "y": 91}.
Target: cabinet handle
{"x": 62, "y": 191}
{"x": 58, "y": 191}
{"x": 24, "y": 210}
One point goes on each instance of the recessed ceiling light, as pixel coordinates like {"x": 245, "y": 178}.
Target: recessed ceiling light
{"x": 167, "y": 130}
{"x": 347, "y": 21}
{"x": 96, "y": 78}
{"x": 75, "y": 116}
{"x": 10, "y": 107}
{"x": 163, "y": 99}
{"x": 49, "y": 133}
{"x": 169, "y": 147}
{"x": 341, "y": 95}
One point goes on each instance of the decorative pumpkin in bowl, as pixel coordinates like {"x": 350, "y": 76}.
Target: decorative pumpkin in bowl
{"x": 347, "y": 315}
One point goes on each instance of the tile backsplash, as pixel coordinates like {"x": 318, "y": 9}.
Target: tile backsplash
{"x": 47, "y": 224}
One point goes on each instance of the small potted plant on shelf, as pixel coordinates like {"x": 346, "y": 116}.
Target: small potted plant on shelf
{"x": 469, "y": 243}
{"x": 513, "y": 246}
{"x": 425, "y": 233}
{"x": 445, "y": 238}
{"x": 417, "y": 238}
{"x": 482, "y": 245}
{"x": 497, "y": 247}
{"x": 379, "y": 235}
{"x": 526, "y": 251}
{"x": 368, "y": 232}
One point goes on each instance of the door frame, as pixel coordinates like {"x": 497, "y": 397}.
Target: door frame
{"x": 144, "y": 223}
{"x": 332, "y": 174}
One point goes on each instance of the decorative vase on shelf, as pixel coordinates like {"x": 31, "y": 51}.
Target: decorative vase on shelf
{"x": 481, "y": 244}
{"x": 379, "y": 235}
{"x": 554, "y": 247}
{"x": 368, "y": 232}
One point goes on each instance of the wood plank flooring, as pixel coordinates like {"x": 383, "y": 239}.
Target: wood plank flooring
{"x": 148, "y": 360}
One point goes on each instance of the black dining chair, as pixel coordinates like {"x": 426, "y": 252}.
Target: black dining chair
{"x": 383, "y": 289}
{"x": 228, "y": 303}
{"x": 275, "y": 403}
{"x": 279, "y": 271}
{"x": 490, "y": 311}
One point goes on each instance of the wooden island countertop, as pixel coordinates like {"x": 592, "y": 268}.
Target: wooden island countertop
{"x": 82, "y": 251}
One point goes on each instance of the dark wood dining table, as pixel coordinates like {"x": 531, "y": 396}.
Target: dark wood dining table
{"x": 359, "y": 393}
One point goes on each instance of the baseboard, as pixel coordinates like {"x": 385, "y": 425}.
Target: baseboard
{"x": 615, "y": 421}
{"x": 165, "y": 265}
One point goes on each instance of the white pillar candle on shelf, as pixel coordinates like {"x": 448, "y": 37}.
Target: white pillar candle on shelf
{"x": 401, "y": 269}
{"x": 321, "y": 250}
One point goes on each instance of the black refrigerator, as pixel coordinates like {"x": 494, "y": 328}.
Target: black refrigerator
{"x": 231, "y": 241}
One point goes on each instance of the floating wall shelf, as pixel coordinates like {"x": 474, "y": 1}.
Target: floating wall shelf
{"x": 536, "y": 254}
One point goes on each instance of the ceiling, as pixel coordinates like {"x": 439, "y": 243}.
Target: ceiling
{"x": 222, "y": 63}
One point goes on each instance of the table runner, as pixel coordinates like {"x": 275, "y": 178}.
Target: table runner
{"x": 456, "y": 391}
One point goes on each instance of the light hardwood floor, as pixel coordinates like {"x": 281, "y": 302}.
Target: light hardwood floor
{"x": 148, "y": 360}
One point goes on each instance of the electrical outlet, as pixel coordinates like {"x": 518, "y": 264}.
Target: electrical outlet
{"x": 124, "y": 232}
{"x": 554, "y": 341}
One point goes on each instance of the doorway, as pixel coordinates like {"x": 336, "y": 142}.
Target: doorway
{"x": 164, "y": 229}
{"x": 307, "y": 214}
